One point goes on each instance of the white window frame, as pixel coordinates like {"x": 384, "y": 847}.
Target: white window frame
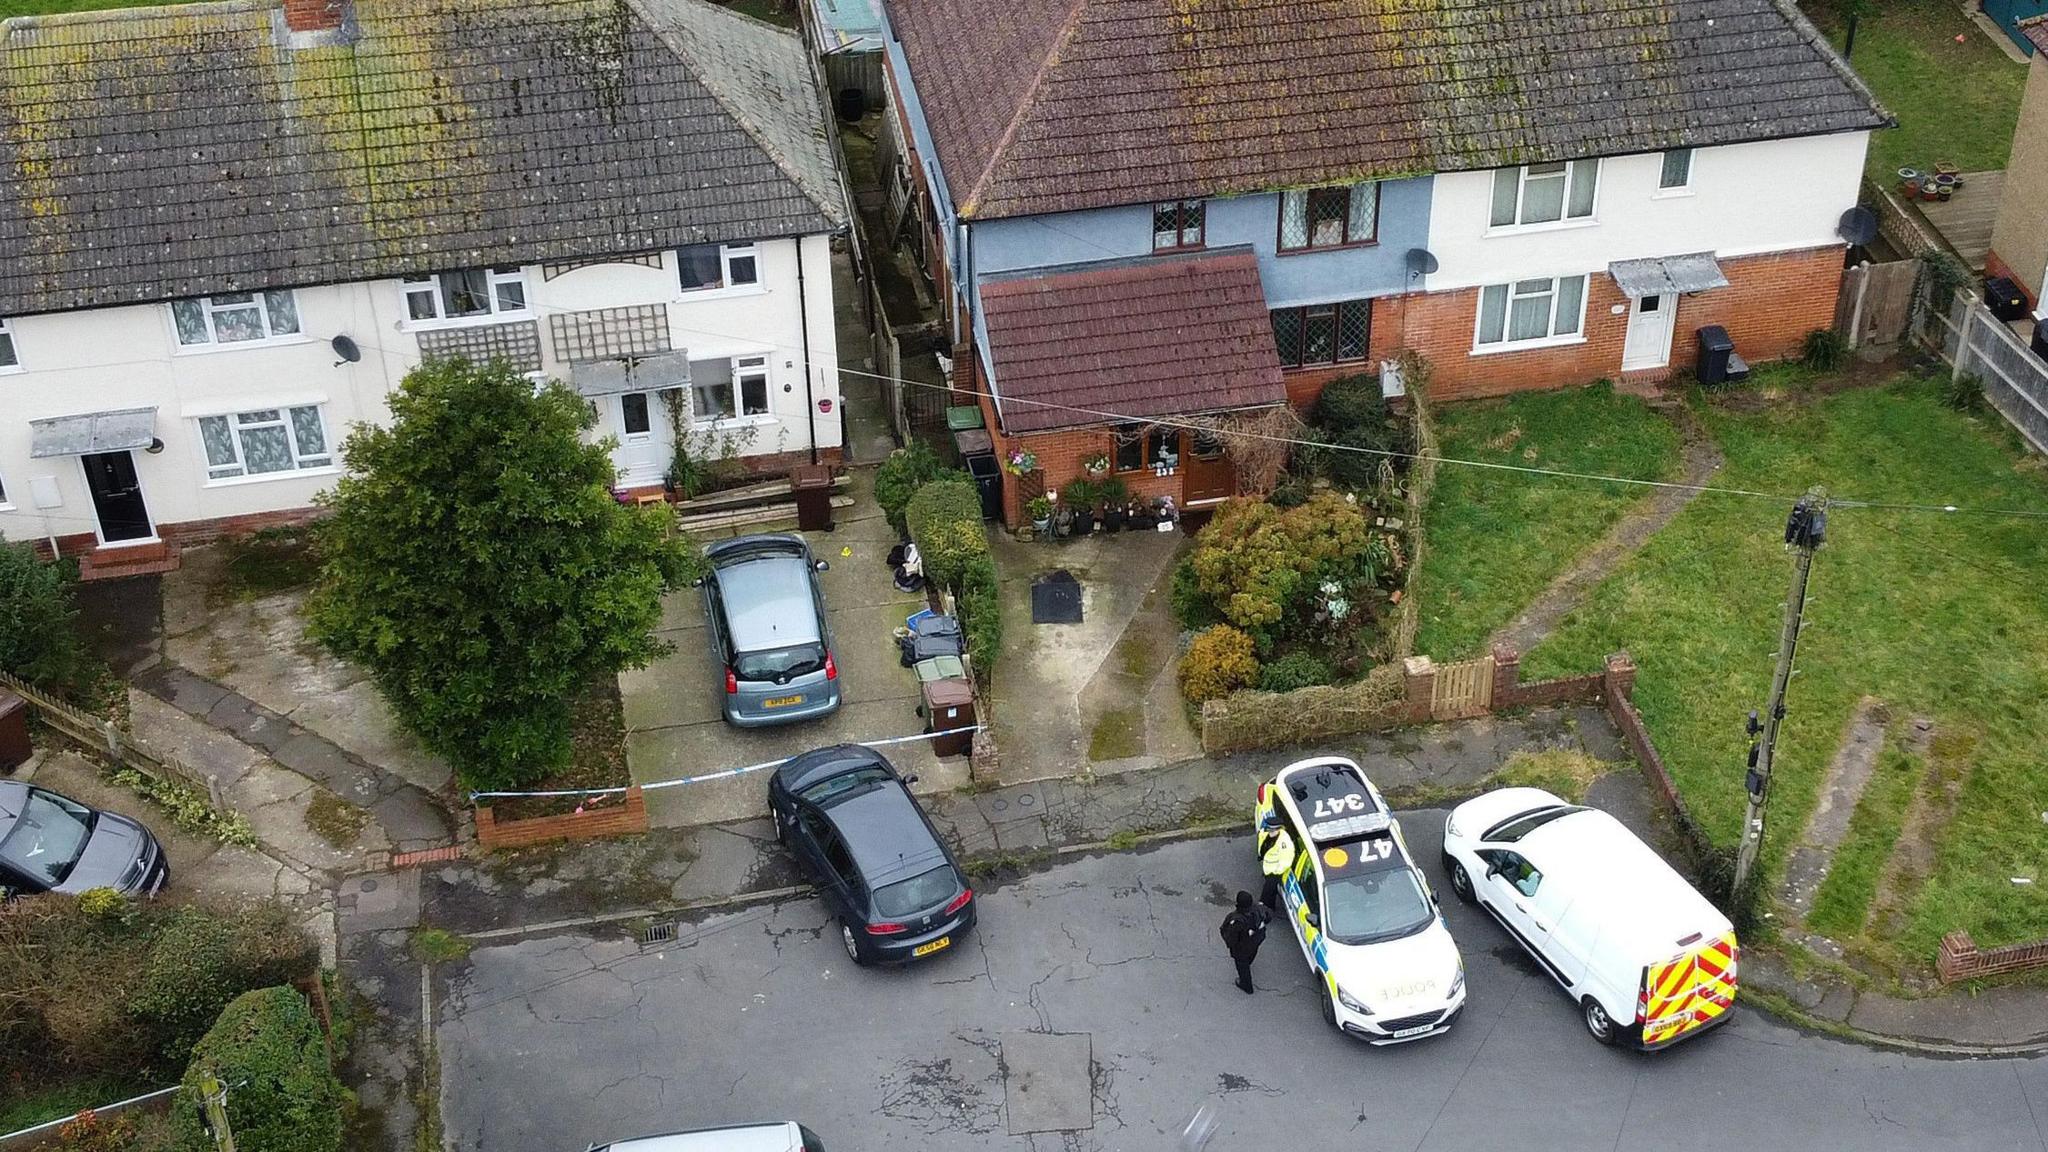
{"x": 241, "y": 460}
{"x": 1551, "y": 338}
{"x": 259, "y": 298}
{"x": 495, "y": 276}
{"x": 1565, "y": 218}
{"x": 10, "y": 359}
{"x": 740, "y": 369}
{"x": 1684, "y": 187}
{"x": 727, "y": 253}
{"x": 6, "y": 505}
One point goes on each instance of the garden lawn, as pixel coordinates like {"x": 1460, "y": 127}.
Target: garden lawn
{"x": 1497, "y": 539}
{"x": 1954, "y": 102}
{"x": 1935, "y": 614}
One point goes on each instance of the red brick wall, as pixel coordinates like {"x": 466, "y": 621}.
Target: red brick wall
{"x": 1770, "y": 304}
{"x": 1959, "y": 958}
{"x": 313, "y": 15}
{"x": 612, "y": 819}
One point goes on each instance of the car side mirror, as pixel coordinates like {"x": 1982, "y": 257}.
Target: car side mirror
{"x": 910, "y": 779}
{"x": 821, "y": 565}
{"x": 1314, "y": 921}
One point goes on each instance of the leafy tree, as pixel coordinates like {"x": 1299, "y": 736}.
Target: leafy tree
{"x": 38, "y": 635}
{"x": 283, "y": 1096}
{"x": 478, "y": 565}
{"x": 1260, "y": 566}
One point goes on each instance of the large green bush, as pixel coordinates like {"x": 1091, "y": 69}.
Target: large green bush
{"x": 1294, "y": 670}
{"x": 1219, "y": 661}
{"x": 283, "y": 1096}
{"x": 1352, "y": 416}
{"x": 125, "y": 992}
{"x": 945, "y": 523}
{"x": 1259, "y": 567}
{"x": 905, "y": 471}
{"x": 39, "y": 639}
{"x": 478, "y": 565}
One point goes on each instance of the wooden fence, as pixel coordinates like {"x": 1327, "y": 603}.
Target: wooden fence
{"x": 888, "y": 362}
{"x": 103, "y": 735}
{"x": 1976, "y": 343}
{"x": 1876, "y": 302}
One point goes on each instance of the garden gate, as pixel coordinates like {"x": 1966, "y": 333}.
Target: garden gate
{"x": 1462, "y": 690}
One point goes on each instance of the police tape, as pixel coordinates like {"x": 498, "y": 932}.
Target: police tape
{"x": 476, "y": 796}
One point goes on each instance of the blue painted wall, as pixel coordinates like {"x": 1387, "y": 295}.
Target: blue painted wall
{"x": 2008, "y": 13}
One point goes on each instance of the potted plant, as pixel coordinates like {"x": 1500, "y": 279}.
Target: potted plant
{"x": 1113, "y": 494}
{"x": 1020, "y": 462}
{"x": 1079, "y": 497}
{"x": 1040, "y": 511}
{"x": 1097, "y": 466}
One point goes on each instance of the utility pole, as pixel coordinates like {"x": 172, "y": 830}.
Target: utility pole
{"x": 214, "y": 1096}
{"x": 1805, "y": 530}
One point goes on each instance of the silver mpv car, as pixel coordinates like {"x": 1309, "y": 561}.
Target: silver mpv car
{"x": 767, "y": 630}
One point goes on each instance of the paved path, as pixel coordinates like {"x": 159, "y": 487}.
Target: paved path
{"x": 410, "y": 818}
{"x": 1699, "y": 459}
{"x": 557, "y": 1042}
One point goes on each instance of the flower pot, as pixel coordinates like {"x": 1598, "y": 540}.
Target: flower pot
{"x": 1927, "y": 191}
{"x": 1910, "y": 187}
{"x": 1084, "y": 523}
{"x": 1041, "y": 526}
{"x": 1944, "y": 191}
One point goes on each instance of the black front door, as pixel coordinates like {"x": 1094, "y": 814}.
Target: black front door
{"x": 117, "y": 496}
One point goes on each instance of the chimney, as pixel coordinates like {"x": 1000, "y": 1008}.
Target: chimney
{"x": 315, "y": 15}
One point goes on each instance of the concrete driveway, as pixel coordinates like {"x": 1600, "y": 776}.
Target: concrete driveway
{"x": 673, "y": 723}
{"x": 1094, "y": 1010}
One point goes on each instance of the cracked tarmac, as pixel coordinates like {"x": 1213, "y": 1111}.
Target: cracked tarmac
{"x": 555, "y": 1042}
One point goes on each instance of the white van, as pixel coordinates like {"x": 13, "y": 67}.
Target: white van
{"x": 779, "y": 1137}
{"x": 1649, "y": 960}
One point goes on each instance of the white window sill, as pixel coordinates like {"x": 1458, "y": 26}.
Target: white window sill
{"x": 1672, "y": 193}
{"x": 410, "y": 325}
{"x": 728, "y": 422}
{"x": 1547, "y": 226}
{"x": 692, "y": 295}
{"x": 268, "y": 477}
{"x": 290, "y": 341}
{"x": 1529, "y": 345}
{"x": 6, "y": 507}
{"x": 11, "y": 369}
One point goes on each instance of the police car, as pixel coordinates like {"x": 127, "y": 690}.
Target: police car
{"x": 1366, "y": 919}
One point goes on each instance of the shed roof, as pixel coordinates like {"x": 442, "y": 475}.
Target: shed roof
{"x": 201, "y": 148}
{"x": 1055, "y": 105}
{"x": 2036, "y": 32}
{"x": 1162, "y": 336}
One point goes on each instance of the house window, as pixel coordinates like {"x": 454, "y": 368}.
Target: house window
{"x": 471, "y": 294}
{"x": 1329, "y": 217}
{"x": 1130, "y": 447}
{"x": 235, "y": 318}
{"x": 706, "y": 266}
{"x": 263, "y": 441}
{"x": 1178, "y": 224}
{"x": 1162, "y": 448}
{"x": 1322, "y": 333}
{"x": 723, "y": 389}
{"x": 1677, "y": 169}
{"x": 1531, "y": 310}
{"x": 1544, "y": 193}
{"x": 7, "y": 357}
{"x": 633, "y": 414}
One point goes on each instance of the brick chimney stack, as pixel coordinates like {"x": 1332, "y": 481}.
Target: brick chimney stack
{"x": 315, "y": 15}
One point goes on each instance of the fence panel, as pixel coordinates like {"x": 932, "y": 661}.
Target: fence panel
{"x": 103, "y": 735}
{"x": 1876, "y": 302}
{"x": 1976, "y": 343}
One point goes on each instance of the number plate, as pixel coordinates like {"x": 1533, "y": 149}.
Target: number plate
{"x": 1406, "y": 1032}
{"x": 934, "y": 946}
{"x": 782, "y": 701}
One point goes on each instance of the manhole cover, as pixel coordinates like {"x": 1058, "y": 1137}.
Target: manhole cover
{"x": 369, "y": 885}
{"x": 1048, "y": 1082}
{"x": 663, "y": 933}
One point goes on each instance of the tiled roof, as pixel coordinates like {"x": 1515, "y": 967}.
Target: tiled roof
{"x": 2036, "y": 32}
{"x": 196, "y": 149}
{"x": 1054, "y": 105}
{"x": 1162, "y": 336}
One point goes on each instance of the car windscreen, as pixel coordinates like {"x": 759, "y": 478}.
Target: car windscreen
{"x": 48, "y": 837}
{"x": 1367, "y": 907}
{"x": 779, "y": 665}
{"x": 917, "y": 893}
{"x": 858, "y": 780}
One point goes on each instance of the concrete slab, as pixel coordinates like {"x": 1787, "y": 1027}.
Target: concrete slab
{"x": 379, "y": 902}
{"x": 234, "y": 872}
{"x": 170, "y": 730}
{"x": 1048, "y": 1085}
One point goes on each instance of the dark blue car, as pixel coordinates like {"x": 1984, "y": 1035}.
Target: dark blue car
{"x": 877, "y": 861}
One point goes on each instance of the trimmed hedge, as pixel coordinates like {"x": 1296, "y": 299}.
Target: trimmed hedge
{"x": 1219, "y": 660}
{"x": 945, "y": 523}
{"x": 905, "y": 471}
{"x": 284, "y": 1096}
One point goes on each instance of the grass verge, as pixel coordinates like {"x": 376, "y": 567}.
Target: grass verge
{"x": 1562, "y": 772}
{"x": 1497, "y": 539}
{"x": 1843, "y": 902}
{"x": 438, "y": 946}
{"x": 57, "y": 1101}
{"x": 1938, "y": 615}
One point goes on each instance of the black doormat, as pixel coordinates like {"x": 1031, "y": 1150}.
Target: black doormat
{"x": 1056, "y": 599}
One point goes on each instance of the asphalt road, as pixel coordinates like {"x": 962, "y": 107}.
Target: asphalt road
{"x": 547, "y": 1045}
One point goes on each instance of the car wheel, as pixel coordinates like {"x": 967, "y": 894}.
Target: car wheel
{"x": 1330, "y": 1010}
{"x": 846, "y": 937}
{"x": 1598, "y": 1022}
{"x": 781, "y": 836}
{"x": 1461, "y": 880}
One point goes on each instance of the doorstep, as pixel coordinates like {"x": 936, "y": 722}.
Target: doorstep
{"x": 135, "y": 560}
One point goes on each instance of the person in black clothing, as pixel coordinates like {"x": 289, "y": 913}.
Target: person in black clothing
{"x": 1243, "y": 931}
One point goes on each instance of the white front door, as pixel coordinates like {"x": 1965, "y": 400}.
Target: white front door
{"x": 1650, "y": 320}
{"x": 640, "y": 421}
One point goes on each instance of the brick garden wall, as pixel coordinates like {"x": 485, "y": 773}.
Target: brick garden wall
{"x": 623, "y": 819}
{"x": 1960, "y": 959}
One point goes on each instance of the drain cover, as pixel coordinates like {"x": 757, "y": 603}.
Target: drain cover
{"x": 1048, "y": 1082}
{"x": 662, "y": 933}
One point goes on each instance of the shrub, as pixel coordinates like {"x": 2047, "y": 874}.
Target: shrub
{"x": 1112, "y": 491}
{"x": 1824, "y": 350}
{"x": 1079, "y": 494}
{"x": 1190, "y": 604}
{"x": 1294, "y": 670}
{"x": 285, "y": 1096}
{"x": 200, "y": 961}
{"x": 1352, "y": 414}
{"x": 1219, "y": 660}
{"x": 38, "y": 639}
{"x": 981, "y": 613}
{"x": 905, "y": 471}
{"x": 1962, "y": 392}
{"x": 129, "y": 1131}
{"x": 944, "y": 518}
{"x": 101, "y": 902}
{"x": 1259, "y": 566}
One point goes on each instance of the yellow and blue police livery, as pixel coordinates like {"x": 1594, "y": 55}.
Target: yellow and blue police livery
{"x": 1366, "y": 919}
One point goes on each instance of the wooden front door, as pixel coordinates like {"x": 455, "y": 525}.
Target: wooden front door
{"x": 1210, "y": 475}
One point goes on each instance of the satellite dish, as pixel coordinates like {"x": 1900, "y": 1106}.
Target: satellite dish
{"x": 347, "y": 350}
{"x": 1858, "y": 226}
{"x": 1421, "y": 262}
